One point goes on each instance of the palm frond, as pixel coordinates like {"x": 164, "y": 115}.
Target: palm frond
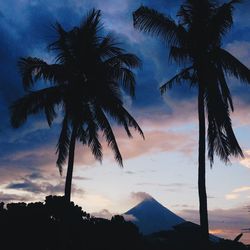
{"x": 179, "y": 55}
{"x": 118, "y": 68}
{"x": 151, "y": 21}
{"x": 217, "y": 142}
{"x": 221, "y": 138}
{"x": 110, "y": 94}
{"x": 127, "y": 79}
{"x": 232, "y": 65}
{"x": 92, "y": 21}
{"x": 82, "y": 135}
{"x": 94, "y": 144}
{"x": 108, "y": 133}
{"x": 192, "y": 13}
{"x": 63, "y": 144}
{"x": 62, "y": 45}
{"x": 122, "y": 116}
{"x": 108, "y": 48}
{"x": 124, "y": 59}
{"x": 33, "y": 69}
{"x": 226, "y": 95}
{"x": 184, "y": 75}
{"x": 92, "y": 133}
{"x": 91, "y": 26}
{"x": 132, "y": 122}
{"x": 222, "y": 21}
{"x": 50, "y": 113}
{"x": 33, "y": 103}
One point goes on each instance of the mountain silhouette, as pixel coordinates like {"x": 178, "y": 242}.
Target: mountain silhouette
{"x": 150, "y": 216}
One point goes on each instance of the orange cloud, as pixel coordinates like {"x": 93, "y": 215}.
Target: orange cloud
{"x": 216, "y": 231}
{"x": 156, "y": 141}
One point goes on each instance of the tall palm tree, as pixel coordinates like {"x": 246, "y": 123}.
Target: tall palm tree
{"x": 85, "y": 86}
{"x": 195, "y": 43}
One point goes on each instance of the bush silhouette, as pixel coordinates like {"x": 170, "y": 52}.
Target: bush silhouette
{"x": 56, "y": 224}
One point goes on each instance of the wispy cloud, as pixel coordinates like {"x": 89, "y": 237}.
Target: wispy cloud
{"x": 140, "y": 196}
{"x": 241, "y": 189}
{"x": 104, "y": 213}
{"x": 231, "y": 196}
{"x": 41, "y": 187}
{"x": 7, "y": 198}
{"x": 241, "y": 50}
{"x": 129, "y": 217}
{"x": 246, "y": 161}
{"x": 237, "y": 192}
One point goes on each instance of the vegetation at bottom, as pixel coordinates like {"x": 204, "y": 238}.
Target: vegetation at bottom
{"x": 58, "y": 224}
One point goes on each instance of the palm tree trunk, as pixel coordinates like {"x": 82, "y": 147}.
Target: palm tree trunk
{"x": 202, "y": 165}
{"x": 69, "y": 175}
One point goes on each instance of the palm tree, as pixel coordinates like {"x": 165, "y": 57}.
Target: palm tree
{"x": 195, "y": 43}
{"x": 85, "y": 86}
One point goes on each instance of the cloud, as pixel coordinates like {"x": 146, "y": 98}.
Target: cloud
{"x": 169, "y": 116}
{"x": 164, "y": 131}
{"x": 140, "y": 196}
{"x": 241, "y": 50}
{"x": 19, "y": 159}
{"x": 27, "y": 186}
{"x": 236, "y": 193}
{"x": 129, "y": 217}
{"x": 242, "y": 19}
{"x": 41, "y": 187}
{"x": 241, "y": 189}
{"x": 218, "y": 232}
{"x": 129, "y": 172}
{"x": 156, "y": 141}
{"x": 7, "y": 198}
{"x": 246, "y": 161}
{"x": 175, "y": 185}
{"x": 171, "y": 187}
{"x": 82, "y": 178}
{"x": 231, "y": 196}
{"x": 241, "y": 116}
{"x": 35, "y": 187}
{"x": 104, "y": 213}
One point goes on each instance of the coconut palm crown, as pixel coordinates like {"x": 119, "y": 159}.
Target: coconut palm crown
{"x": 195, "y": 43}
{"x": 85, "y": 85}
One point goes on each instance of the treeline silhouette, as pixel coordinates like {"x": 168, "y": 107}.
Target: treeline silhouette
{"x": 56, "y": 224}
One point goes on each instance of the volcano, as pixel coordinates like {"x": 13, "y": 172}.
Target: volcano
{"x": 150, "y": 217}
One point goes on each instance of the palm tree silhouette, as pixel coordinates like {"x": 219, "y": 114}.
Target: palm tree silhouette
{"x": 195, "y": 43}
{"x": 85, "y": 85}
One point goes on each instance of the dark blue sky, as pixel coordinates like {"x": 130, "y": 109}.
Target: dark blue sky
{"x": 26, "y": 30}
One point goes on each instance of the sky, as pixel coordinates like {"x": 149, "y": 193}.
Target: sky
{"x": 163, "y": 165}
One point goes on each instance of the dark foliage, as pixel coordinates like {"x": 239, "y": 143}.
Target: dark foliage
{"x": 57, "y": 224}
